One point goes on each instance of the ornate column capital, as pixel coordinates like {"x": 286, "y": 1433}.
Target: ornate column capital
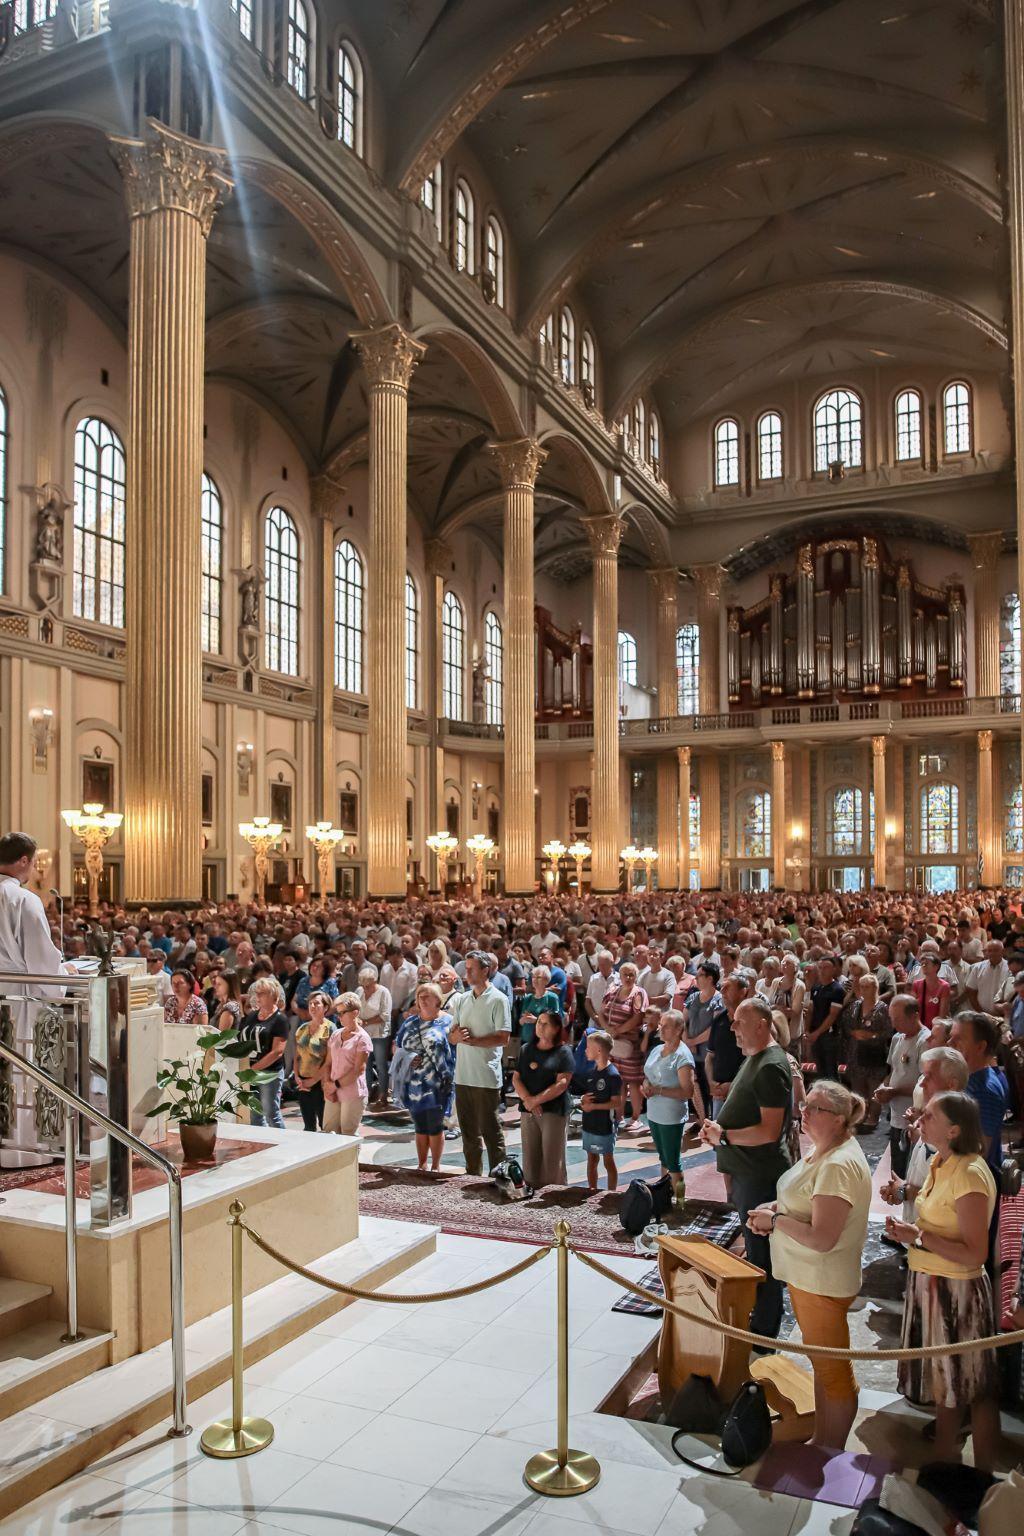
{"x": 438, "y": 557}
{"x": 389, "y": 355}
{"x": 665, "y": 581}
{"x": 778, "y": 751}
{"x": 709, "y": 580}
{"x": 325, "y": 496}
{"x": 984, "y": 550}
{"x": 878, "y": 745}
{"x": 604, "y": 530}
{"x": 519, "y": 461}
{"x": 984, "y": 741}
{"x": 685, "y": 756}
{"x": 167, "y": 170}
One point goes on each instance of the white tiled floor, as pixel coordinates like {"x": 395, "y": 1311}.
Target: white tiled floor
{"x": 418, "y": 1421}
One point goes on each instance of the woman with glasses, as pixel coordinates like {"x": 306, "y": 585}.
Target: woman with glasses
{"x": 818, "y": 1223}
{"x": 348, "y": 1051}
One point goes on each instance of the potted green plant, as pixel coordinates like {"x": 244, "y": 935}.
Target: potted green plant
{"x": 198, "y": 1092}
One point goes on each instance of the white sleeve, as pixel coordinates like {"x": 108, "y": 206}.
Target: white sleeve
{"x": 42, "y": 957}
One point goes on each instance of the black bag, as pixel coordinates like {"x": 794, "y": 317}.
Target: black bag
{"x": 697, "y": 1407}
{"x": 636, "y": 1208}
{"x": 747, "y": 1427}
{"x": 873, "y": 1520}
{"x": 661, "y": 1195}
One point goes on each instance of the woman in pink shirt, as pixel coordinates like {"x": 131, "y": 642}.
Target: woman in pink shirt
{"x": 348, "y": 1051}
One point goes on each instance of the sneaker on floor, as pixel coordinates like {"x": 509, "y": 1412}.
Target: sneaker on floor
{"x": 452, "y": 1134}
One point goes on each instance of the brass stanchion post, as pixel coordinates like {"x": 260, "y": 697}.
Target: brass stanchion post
{"x": 562, "y": 1472}
{"x": 237, "y": 1436}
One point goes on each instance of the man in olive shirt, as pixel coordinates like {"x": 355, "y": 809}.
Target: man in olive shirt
{"x": 750, "y": 1138}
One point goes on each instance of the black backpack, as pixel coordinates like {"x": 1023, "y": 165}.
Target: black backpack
{"x": 744, "y": 1427}
{"x": 643, "y": 1203}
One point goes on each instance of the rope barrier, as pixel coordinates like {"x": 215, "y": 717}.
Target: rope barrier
{"x": 828, "y": 1351}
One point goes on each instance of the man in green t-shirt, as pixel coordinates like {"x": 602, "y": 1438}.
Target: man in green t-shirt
{"x": 750, "y": 1139}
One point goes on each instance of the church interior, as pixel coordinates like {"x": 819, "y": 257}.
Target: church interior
{"x": 469, "y": 453}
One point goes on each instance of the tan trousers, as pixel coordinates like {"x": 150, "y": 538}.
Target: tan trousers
{"x": 343, "y": 1116}
{"x": 543, "y": 1149}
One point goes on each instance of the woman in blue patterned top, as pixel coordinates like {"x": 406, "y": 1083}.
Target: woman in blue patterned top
{"x": 423, "y": 1072}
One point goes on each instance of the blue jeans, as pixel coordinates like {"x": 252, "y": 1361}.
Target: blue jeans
{"x": 270, "y": 1099}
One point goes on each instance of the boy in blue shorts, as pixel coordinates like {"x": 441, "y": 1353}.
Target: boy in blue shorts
{"x": 602, "y": 1108}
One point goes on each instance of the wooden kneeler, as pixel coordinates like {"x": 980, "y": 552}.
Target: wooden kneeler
{"x": 711, "y": 1282}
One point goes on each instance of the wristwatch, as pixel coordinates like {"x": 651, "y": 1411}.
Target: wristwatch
{"x": 919, "y": 1240}
{"x": 723, "y": 1140}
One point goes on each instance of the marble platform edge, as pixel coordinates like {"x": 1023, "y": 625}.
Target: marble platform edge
{"x": 383, "y": 1251}
{"x": 293, "y": 1152}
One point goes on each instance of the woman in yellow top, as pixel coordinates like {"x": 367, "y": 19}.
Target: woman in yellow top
{"x": 949, "y": 1298}
{"x": 818, "y": 1224}
{"x": 311, "y": 1039}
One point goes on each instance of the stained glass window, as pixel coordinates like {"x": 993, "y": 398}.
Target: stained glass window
{"x": 350, "y": 98}
{"x": 956, "y": 411}
{"x": 940, "y": 818}
{"x": 298, "y": 47}
{"x": 727, "y": 452}
{"x": 654, "y": 439}
{"x": 32, "y": 13}
{"x": 211, "y": 538}
{"x": 638, "y": 429}
{"x": 845, "y": 822}
{"x": 757, "y": 825}
{"x": 465, "y": 220}
{"x": 1009, "y": 645}
{"x": 567, "y": 346}
{"x": 494, "y": 258}
{"x": 243, "y": 13}
{"x": 627, "y": 658}
{"x": 838, "y": 425}
{"x": 688, "y": 668}
{"x": 412, "y": 643}
{"x": 98, "y": 567}
{"x": 588, "y": 367}
{"x": 1013, "y": 840}
{"x": 453, "y": 657}
{"x": 694, "y": 825}
{"x": 494, "y": 660}
{"x": 349, "y": 595}
{"x": 769, "y": 446}
{"x": 430, "y": 197}
{"x": 281, "y": 594}
{"x": 908, "y": 425}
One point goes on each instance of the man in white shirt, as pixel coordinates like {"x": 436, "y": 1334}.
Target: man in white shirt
{"x": 480, "y": 1032}
{"x": 658, "y": 981}
{"x": 908, "y": 1042}
{"x": 988, "y": 979}
{"x": 598, "y": 985}
{"x": 398, "y": 974}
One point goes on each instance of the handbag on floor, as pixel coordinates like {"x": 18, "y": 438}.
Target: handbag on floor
{"x": 744, "y": 1427}
{"x": 644, "y": 1203}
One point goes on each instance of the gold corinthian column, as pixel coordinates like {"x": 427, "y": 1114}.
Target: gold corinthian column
{"x": 665, "y": 586}
{"x": 709, "y": 579}
{"x": 684, "y": 755}
{"x": 173, "y": 187}
{"x": 325, "y": 505}
{"x": 985, "y": 549}
{"x": 389, "y": 357}
{"x": 778, "y": 813}
{"x": 878, "y": 745}
{"x": 1013, "y": 54}
{"x": 988, "y": 823}
{"x": 519, "y": 463}
{"x": 604, "y": 531}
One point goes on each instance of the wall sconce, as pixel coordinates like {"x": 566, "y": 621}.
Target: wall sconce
{"x": 41, "y": 728}
{"x": 890, "y": 829}
{"x": 796, "y": 831}
{"x": 244, "y": 756}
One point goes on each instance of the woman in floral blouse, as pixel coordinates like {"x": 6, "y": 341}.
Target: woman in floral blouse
{"x": 185, "y": 1006}
{"x": 423, "y": 1072}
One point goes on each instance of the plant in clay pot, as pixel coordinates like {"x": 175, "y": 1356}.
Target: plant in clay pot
{"x": 199, "y": 1092}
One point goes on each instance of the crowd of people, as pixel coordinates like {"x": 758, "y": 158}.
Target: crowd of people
{"x": 776, "y": 1030}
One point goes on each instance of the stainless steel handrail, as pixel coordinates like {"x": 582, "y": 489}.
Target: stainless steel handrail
{"x": 81, "y": 1106}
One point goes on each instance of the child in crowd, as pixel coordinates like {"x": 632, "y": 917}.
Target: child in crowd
{"x": 602, "y": 1106}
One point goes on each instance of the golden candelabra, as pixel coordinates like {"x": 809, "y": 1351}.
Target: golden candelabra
{"x": 580, "y": 851}
{"x": 555, "y": 851}
{"x": 444, "y": 847}
{"x": 649, "y": 856}
{"x": 261, "y": 834}
{"x": 94, "y": 827}
{"x": 481, "y": 848}
{"x": 325, "y": 837}
{"x": 630, "y": 856}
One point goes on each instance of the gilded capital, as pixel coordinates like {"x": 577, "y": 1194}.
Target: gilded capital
{"x": 778, "y": 751}
{"x": 685, "y": 755}
{"x": 389, "y": 355}
{"x": 805, "y": 560}
{"x": 984, "y": 550}
{"x": 709, "y": 579}
{"x": 325, "y": 497}
{"x": 438, "y": 557}
{"x": 878, "y": 745}
{"x": 519, "y": 461}
{"x": 604, "y": 530}
{"x": 903, "y": 575}
{"x": 869, "y": 557}
{"x": 166, "y": 170}
{"x": 665, "y": 581}
{"x": 984, "y": 741}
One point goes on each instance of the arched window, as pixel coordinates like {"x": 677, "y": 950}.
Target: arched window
{"x": 242, "y": 11}
{"x": 638, "y": 429}
{"x": 688, "y": 668}
{"x": 1009, "y": 646}
{"x": 350, "y": 98}
{"x": 908, "y": 426}
{"x": 98, "y": 568}
{"x": 494, "y": 259}
{"x": 727, "y": 452}
{"x": 956, "y": 413}
{"x": 627, "y": 658}
{"x": 769, "y": 446}
{"x": 32, "y": 13}
{"x": 412, "y": 644}
{"x": 838, "y": 429}
{"x": 465, "y": 224}
{"x": 1013, "y": 820}
{"x": 349, "y": 595}
{"x": 588, "y": 361}
{"x": 430, "y": 197}
{"x": 694, "y": 826}
{"x": 212, "y": 543}
{"x": 3, "y": 490}
{"x": 494, "y": 666}
{"x": 654, "y": 439}
{"x": 567, "y": 345}
{"x": 298, "y": 48}
{"x": 281, "y": 592}
{"x": 940, "y": 818}
{"x": 845, "y": 829}
{"x": 453, "y": 657}
{"x": 757, "y": 825}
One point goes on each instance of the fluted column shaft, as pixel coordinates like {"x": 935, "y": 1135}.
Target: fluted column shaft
{"x": 878, "y": 745}
{"x": 1013, "y": 54}
{"x": 605, "y": 534}
{"x": 325, "y": 497}
{"x": 985, "y": 549}
{"x": 668, "y": 823}
{"x": 519, "y": 462}
{"x": 665, "y": 587}
{"x": 778, "y": 813}
{"x": 710, "y": 822}
{"x": 684, "y": 756}
{"x": 389, "y": 356}
{"x": 173, "y": 187}
{"x": 438, "y": 557}
{"x": 709, "y": 579}
{"x": 988, "y": 824}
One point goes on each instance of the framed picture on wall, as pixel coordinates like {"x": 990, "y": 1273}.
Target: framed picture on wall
{"x": 281, "y": 804}
{"x": 493, "y": 823}
{"x": 348, "y": 810}
{"x": 579, "y": 810}
{"x": 451, "y": 818}
{"x": 97, "y": 783}
{"x": 207, "y": 799}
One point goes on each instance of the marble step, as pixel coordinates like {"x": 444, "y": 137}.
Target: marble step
{"x": 21, "y": 1304}
{"x": 35, "y": 1363}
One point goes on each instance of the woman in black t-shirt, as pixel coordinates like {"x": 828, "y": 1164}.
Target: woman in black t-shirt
{"x": 541, "y": 1080}
{"x": 267, "y": 1029}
